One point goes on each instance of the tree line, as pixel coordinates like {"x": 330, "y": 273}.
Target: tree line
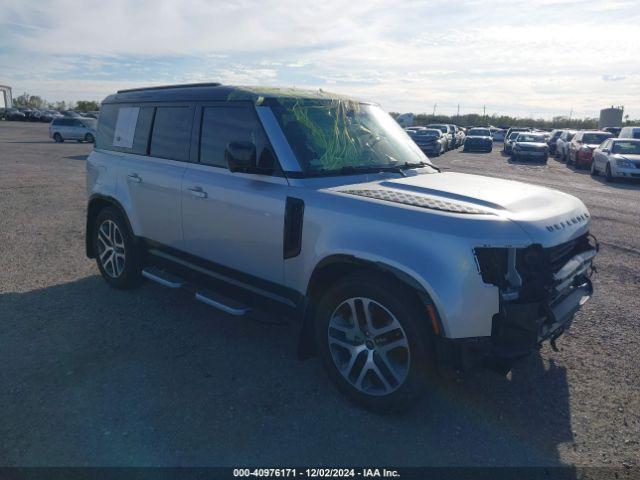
{"x": 35, "y": 101}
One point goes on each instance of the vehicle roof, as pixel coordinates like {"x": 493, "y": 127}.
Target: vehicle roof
{"x": 216, "y": 92}
{"x": 594, "y": 131}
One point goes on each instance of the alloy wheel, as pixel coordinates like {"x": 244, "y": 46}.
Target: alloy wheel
{"x": 111, "y": 249}
{"x": 368, "y": 346}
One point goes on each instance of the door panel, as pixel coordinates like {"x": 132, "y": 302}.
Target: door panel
{"x": 153, "y": 187}
{"x": 235, "y": 219}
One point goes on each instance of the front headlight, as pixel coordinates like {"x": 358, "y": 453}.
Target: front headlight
{"x": 622, "y": 163}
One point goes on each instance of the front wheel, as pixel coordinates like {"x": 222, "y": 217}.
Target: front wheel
{"x": 594, "y": 170}
{"x": 608, "y": 173}
{"x": 117, "y": 254}
{"x": 89, "y": 138}
{"x": 373, "y": 341}
{"x": 57, "y": 138}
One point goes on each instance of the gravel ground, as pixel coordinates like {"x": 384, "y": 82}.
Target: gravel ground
{"x": 91, "y": 376}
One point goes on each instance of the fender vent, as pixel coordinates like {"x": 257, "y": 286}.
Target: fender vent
{"x": 417, "y": 201}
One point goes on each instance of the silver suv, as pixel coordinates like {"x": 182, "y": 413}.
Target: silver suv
{"x": 71, "y": 128}
{"x": 321, "y": 207}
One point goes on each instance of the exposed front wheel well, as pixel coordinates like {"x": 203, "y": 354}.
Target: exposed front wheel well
{"x": 332, "y": 269}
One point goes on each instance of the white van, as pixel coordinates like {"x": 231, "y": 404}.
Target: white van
{"x": 630, "y": 132}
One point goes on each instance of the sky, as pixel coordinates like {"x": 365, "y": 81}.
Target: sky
{"x": 538, "y": 58}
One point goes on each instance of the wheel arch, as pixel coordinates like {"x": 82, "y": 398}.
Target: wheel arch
{"x": 333, "y": 267}
{"x": 97, "y": 203}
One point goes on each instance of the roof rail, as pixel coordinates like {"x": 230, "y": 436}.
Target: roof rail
{"x": 163, "y": 87}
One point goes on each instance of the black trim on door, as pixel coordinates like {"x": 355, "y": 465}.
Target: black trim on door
{"x": 293, "y": 220}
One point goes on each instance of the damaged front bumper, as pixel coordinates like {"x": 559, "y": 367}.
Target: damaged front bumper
{"x": 536, "y": 305}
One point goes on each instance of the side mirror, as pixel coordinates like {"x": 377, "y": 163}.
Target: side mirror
{"x": 606, "y": 150}
{"x": 241, "y": 156}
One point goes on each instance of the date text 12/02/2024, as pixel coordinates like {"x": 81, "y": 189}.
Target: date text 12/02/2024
{"x": 316, "y": 472}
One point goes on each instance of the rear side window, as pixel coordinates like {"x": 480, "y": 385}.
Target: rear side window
{"x": 110, "y": 115}
{"x": 171, "y": 133}
{"x": 635, "y": 133}
{"x": 222, "y": 125}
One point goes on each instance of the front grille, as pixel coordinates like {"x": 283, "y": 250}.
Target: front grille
{"x": 561, "y": 254}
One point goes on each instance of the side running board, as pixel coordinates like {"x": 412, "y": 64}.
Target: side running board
{"x": 212, "y": 299}
{"x": 162, "y": 277}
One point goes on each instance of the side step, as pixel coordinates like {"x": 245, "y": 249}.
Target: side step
{"x": 212, "y": 299}
{"x": 162, "y": 277}
{"x": 222, "y": 303}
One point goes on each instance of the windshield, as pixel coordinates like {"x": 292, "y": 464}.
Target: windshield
{"x": 593, "y": 138}
{"x": 513, "y": 135}
{"x": 628, "y": 147}
{"x": 479, "y": 132}
{"x": 527, "y": 137}
{"x": 442, "y": 128}
{"x": 328, "y": 136}
{"x": 428, "y": 133}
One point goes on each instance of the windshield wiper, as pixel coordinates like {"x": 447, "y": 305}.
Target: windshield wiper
{"x": 371, "y": 169}
{"x": 420, "y": 164}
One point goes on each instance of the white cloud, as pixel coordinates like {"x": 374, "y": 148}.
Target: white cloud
{"x": 541, "y": 57}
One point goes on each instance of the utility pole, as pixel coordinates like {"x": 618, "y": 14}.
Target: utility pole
{"x": 458, "y": 114}
{"x": 434, "y": 109}
{"x": 484, "y": 113}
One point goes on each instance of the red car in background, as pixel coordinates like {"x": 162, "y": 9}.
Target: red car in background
{"x": 582, "y": 146}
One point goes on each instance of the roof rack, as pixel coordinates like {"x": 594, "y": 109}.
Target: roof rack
{"x": 163, "y": 87}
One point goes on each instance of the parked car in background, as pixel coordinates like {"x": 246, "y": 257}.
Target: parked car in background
{"x": 530, "y": 146}
{"x": 478, "y": 139}
{"x": 70, "y": 128}
{"x": 617, "y": 158}
{"x": 446, "y": 131}
{"x": 498, "y": 134}
{"x": 582, "y": 146}
{"x": 562, "y": 144}
{"x": 90, "y": 115}
{"x": 630, "y": 132}
{"x": 390, "y": 269}
{"x": 70, "y": 113}
{"x": 553, "y": 138}
{"x": 615, "y": 131}
{"x": 457, "y": 135}
{"x": 430, "y": 140}
{"x": 508, "y": 142}
{"x": 14, "y": 115}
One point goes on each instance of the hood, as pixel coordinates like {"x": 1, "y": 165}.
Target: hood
{"x": 479, "y": 137}
{"x": 548, "y": 216}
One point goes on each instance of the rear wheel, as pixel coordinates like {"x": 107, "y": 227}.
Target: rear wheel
{"x": 373, "y": 342}
{"x": 58, "y": 138}
{"x": 89, "y": 138}
{"x": 117, "y": 254}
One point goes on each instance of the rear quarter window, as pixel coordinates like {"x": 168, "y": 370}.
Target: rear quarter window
{"x": 107, "y": 126}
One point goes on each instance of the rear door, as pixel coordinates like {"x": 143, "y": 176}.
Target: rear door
{"x": 154, "y": 180}
{"x": 234, "y": 220}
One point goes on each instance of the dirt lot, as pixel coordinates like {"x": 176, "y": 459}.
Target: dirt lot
{"x": 94, "y": 376}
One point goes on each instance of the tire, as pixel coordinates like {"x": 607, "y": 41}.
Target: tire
{"x": 569, "y": 161}
{"x": 608, "y": 175}
{"x": 89, "y": 138}
{"x": 366, "y": 378}
{"x": 594, "y": 171}
{"x": 57, "y": 138}
{"x": 122, "y": 267}
{"x": 545, "y": 159}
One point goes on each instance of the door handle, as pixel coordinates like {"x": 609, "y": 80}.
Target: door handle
{"x": 197, "y": 192}
{"x": 134, "y": 178}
